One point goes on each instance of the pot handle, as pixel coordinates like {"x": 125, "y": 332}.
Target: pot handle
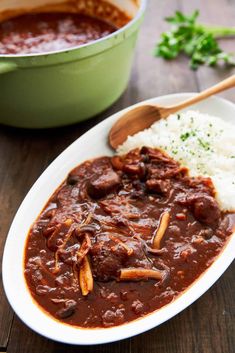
{"x": 7, "y": 66}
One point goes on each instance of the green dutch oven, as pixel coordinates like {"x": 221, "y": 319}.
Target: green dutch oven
{"x": 68, "y": 86}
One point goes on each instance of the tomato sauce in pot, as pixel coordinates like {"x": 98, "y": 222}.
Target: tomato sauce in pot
{"x": 48, "y": 32}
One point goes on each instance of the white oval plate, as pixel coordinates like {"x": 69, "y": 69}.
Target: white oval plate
{"x": 90, "y": 145}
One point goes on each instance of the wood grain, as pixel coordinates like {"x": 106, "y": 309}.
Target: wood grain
{"x": 220, "y": 13}
{"x": 207, "y": 326}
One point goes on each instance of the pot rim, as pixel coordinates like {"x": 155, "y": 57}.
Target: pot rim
{"x": 87, "y": 49}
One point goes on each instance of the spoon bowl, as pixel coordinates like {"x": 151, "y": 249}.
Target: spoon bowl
{"x": 132, "y": 121}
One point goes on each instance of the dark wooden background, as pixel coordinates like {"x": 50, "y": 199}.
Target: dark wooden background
{"x": 207, "y": 326}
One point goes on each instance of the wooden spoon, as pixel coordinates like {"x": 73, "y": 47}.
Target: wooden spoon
{"x": 144, "y": 116}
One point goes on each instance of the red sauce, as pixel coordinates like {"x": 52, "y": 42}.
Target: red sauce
{"x": 47, "y": 32}
{"x": 104, "y": 221}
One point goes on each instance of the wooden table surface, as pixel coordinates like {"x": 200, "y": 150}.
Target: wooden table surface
{"x": 207, "y": 326}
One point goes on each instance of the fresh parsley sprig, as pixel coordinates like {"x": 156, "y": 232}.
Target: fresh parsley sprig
{"x": 197, "y": 41}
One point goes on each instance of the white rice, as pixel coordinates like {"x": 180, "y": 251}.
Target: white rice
{"x": 204, "y": 144}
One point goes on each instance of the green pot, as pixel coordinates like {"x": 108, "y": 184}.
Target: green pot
{"x": 60, "y": 88}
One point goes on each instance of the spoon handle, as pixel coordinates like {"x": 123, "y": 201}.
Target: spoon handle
{"x": 219, "y": 87}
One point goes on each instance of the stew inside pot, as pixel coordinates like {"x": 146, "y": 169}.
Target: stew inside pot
{"x": 43, "y": 32}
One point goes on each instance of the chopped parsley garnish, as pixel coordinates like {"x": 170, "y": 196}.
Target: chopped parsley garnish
{"x": 204, "y": 144}
{"x": 185, "y": 136}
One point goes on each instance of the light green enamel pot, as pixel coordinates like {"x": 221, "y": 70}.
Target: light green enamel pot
{"x": 60, "y": 88}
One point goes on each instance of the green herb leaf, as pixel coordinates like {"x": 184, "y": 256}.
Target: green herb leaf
{"x": 204, "y": 144}
{"x": 196, "y": 41}
{"x": 185, "y": 136}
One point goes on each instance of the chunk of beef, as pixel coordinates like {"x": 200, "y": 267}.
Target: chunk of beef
{"x": 204, "y": 207}
{"x": 132, "y": 157}
{"x": 135, "y": 169}
{"x": 157, "y": 155}
{"x": 206, "y": 210}
{"x": 111, "y": 252}
{"x": 64, "y": 195}
{"x": 102, "y": 185}
{"x": 202, "y": 184}
{"x": 159, "y": 165}
{"x": 77, "y": 174}
{"x": 117, "y": 162}
{"x": 159, "y": 186}
{"x": 165, "y": 171}
{"x": 69, "y": 254}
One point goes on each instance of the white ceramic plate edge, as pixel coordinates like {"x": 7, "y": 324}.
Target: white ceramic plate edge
{"x": 13, "y": 277}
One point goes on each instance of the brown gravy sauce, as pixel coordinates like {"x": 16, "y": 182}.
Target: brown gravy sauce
{"x": 122, "y": 237}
